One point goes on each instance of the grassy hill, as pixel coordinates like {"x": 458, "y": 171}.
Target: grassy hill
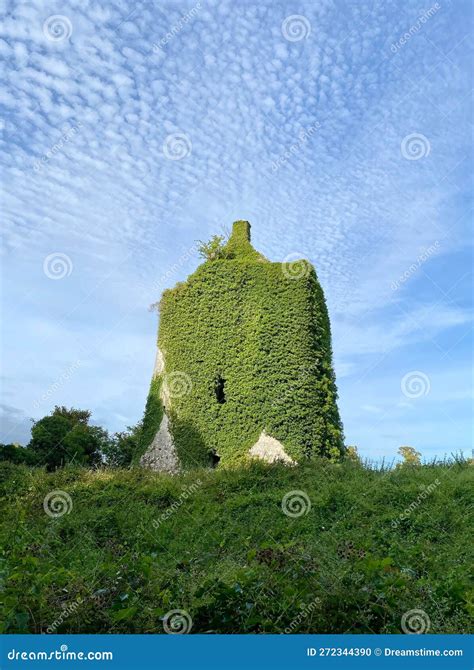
{"x": 368, "y": 547}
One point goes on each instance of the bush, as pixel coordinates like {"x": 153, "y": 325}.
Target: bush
{"x": 135, "y": 545}
{"x": 17, "y": 454}
{"x": 123, "y": 447}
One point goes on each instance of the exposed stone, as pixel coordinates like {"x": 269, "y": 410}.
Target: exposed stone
{"x": 161, "y": 455}
{"x": 270, "y": 450}
{"x": 159, "y": 363}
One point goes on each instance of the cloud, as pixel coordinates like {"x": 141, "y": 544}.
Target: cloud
{"x": 224, "y": 77}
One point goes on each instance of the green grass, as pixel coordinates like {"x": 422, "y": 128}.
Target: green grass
{"x": 227, "y": 554}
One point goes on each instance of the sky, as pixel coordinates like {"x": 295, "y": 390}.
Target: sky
{"x": 341, "y": 130}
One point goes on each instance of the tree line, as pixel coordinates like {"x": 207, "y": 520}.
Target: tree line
{"x": 66, "y": 436}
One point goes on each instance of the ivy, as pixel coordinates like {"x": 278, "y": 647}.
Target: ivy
{"x": 263, "y": 330}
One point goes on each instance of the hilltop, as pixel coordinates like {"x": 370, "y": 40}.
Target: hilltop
{"x": 320, "y": 548}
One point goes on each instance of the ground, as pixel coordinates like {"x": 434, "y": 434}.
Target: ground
{"x": 314, "y": 548}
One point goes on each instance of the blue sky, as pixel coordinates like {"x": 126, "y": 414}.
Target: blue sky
{"x": 341, "y": 130}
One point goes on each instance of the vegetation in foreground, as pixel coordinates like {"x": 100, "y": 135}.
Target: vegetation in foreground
{"x": 320, "y": 548}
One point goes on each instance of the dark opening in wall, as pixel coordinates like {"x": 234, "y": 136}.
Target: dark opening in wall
{"x": 219, "y": 389}
{"x": 215, "y": 458}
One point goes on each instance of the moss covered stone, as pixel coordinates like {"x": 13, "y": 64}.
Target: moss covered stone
{"x": 246, "y": 348}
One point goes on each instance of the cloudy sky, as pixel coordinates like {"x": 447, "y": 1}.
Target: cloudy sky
{"x": 339, "y": 129}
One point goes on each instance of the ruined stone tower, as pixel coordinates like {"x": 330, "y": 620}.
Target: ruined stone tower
{"x": 243, "y": 367}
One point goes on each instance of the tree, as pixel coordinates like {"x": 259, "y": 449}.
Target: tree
{"x": 123, "y": 446}
{"x": 15, "y": 453}
{"x": 410, "y": 456}
{"x": 352, "y": 454}
{"x": 66, "y": 437}
{"x": 213, "y": 249}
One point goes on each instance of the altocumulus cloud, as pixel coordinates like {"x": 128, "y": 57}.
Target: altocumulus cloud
{"x": 95, "y": 89}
